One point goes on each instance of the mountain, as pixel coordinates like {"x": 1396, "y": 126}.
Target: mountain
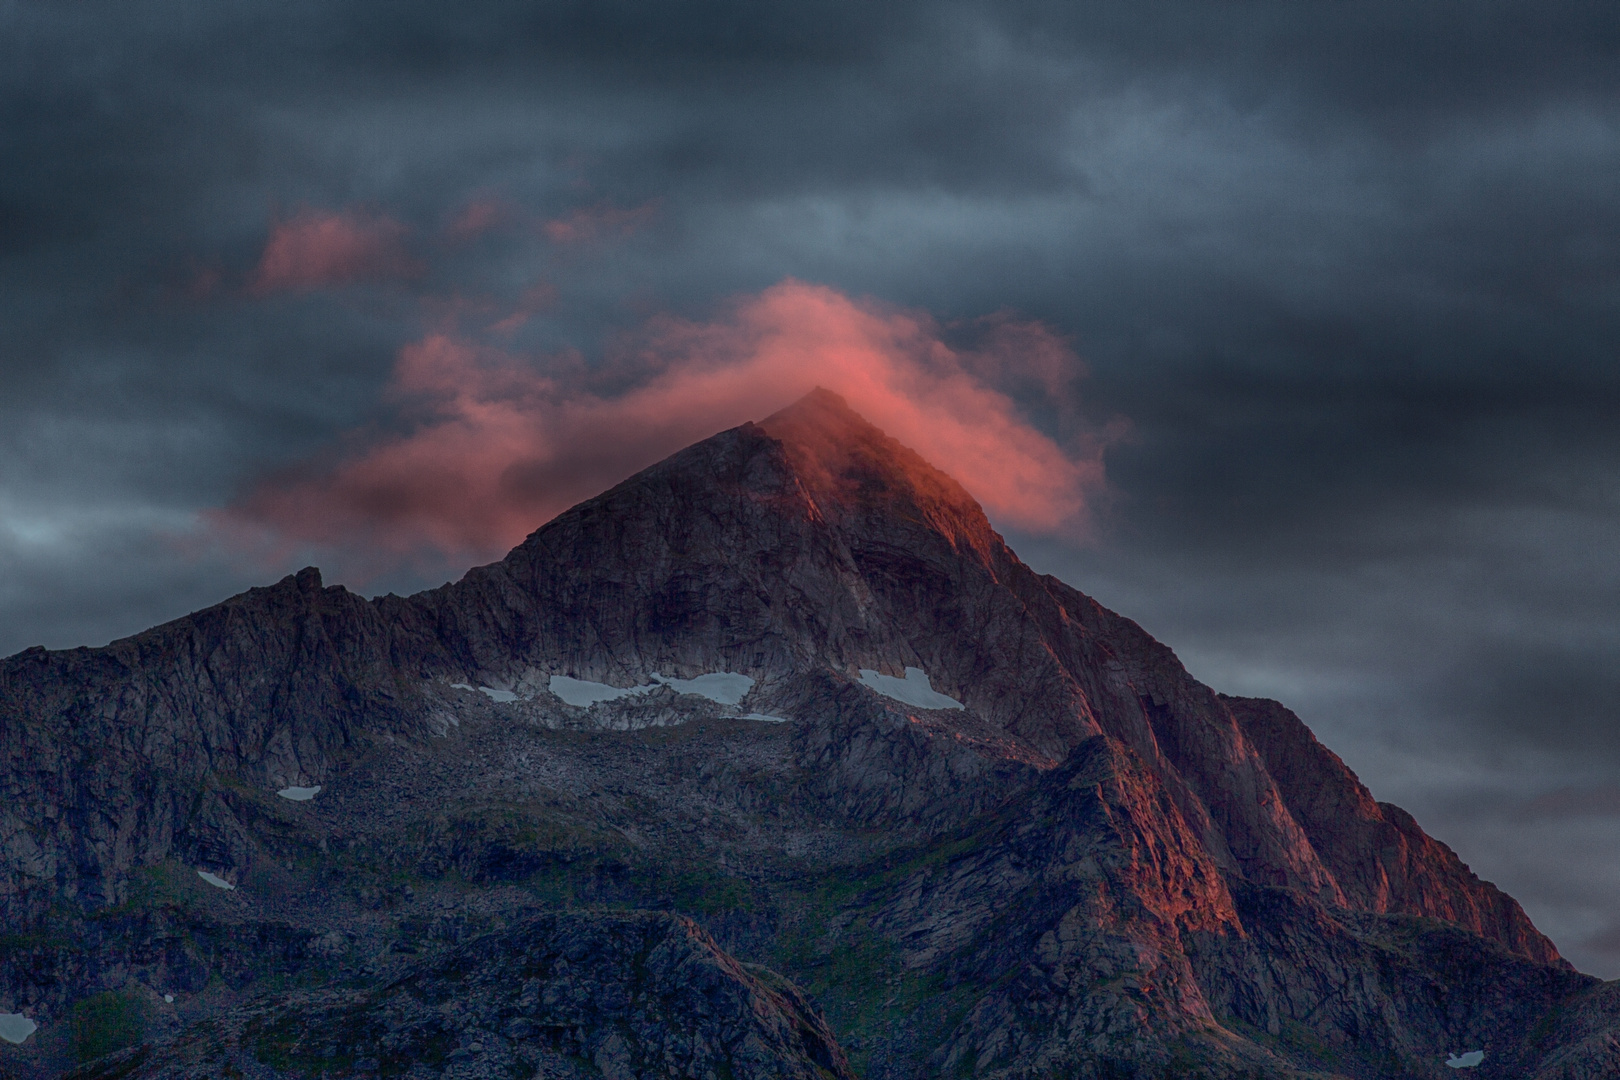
{"x": 790, "y": 688}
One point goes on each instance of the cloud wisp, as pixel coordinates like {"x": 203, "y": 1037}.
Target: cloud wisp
{"x": 599, "y": 222}
{"x": 314, "y": 249}
{"x": 500, "y": 444}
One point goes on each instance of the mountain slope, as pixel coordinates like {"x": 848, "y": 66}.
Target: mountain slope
{"x": 813, "y": 539}
{"x": 548, "y": 997}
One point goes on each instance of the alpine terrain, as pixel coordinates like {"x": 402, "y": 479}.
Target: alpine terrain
{"x": 772, "y": 761}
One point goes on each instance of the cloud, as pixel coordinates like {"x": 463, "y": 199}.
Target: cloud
{"x": 1537, "y": 693}
{"x": 478, "y": 217}
{"x": 1597, "y": 801}
{"x": 535, "y": 299}
{"x": 600, "y": 221}
{"x": 895, "y": 369}
{"x": 316, "y": 248}
{"x": 500, "y": 447}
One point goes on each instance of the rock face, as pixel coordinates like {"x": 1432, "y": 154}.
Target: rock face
{"x": 575, "y": 995}
{"x": 1097, "y": 867}
{"x": 1378, "y": 856}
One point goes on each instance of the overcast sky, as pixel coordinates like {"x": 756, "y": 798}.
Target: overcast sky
{"x": 1330, "y": 293}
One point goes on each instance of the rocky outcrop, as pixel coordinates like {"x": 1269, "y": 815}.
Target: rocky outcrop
{"x": 1091, "y": 935}
{"x": 1581, "y": 1041}
{"x": 1070, "y": 908}
{"x": 1379, "y": 857}
{"x": 1376, "y": 996}
{"x": 616, "y": 996}
{"x": 108, "y": 756}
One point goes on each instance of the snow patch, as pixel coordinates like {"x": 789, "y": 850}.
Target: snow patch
{"x": 1466, "y": 1061}
{"x": 15, "y": 1027}
{"x": 215, "y": 880}
{"x": 722, "y": 687}
{"x": 914, "y": 689}
{"x": 584, "y": 693}
{"x": 300, "y": 794}
{"x": 502, "y": 696}
{"x": 766, "y": 719}
{"x": 725, "y": 687}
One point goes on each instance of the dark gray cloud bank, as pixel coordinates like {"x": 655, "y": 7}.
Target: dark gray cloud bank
{"x": 1351, "y": 272}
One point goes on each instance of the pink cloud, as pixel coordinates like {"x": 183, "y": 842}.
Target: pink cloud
{"x": 499, "y": 447}
{"x": 535, "y": 299}
{"x": 599, "y": 221}
{"x": 316, "y": 248}
{"x": 478, "y": 217}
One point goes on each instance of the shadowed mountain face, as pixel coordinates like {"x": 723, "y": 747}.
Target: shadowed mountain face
{"x": 634, "y": 994}
{"x": 1096, "y": 866}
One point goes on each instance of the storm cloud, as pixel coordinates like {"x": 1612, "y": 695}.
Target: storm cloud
{"x": 1330, "y": 293}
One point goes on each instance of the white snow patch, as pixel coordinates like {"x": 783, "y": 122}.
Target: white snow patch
{"x": 583, "y": 692}
{"x": 725, "y": 687}
{"x": 722, "y": 687}
{"x": 767, "y": 719}
{"x": 502, "y": 696}
{"x": 1466, "y": 1061}
{"x": 15, "y": 1027}
{"x": 914, "y": 689}
{"x": 300, "y": 794}
{"x": 215, "y": 880}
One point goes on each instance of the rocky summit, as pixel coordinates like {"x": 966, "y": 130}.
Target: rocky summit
{"x": 772, "y": 761}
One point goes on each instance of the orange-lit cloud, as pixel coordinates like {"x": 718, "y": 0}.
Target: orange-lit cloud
{"x": 599, "y": 221}
{"x": 500, "y": 447}
{"x": 316, "y": 248}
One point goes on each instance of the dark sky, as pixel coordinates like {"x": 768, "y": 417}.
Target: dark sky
{"x": 1330, "y": 290}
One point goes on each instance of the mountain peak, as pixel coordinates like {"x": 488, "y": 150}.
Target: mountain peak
{"x": 822, "y": 402}
{"x": 856, "y": 471}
